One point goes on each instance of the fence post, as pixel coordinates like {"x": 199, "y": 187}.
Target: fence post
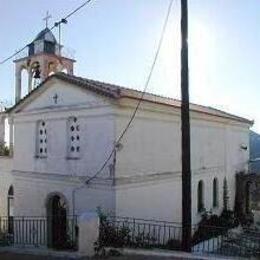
{"x": 88, "y": 232}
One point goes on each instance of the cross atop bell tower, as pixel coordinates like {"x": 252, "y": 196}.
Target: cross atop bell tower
{"x": 43, "y": 59}
{"x": 46, "y": 18}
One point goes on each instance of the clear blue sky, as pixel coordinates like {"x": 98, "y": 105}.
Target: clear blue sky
{"x": 115, "y": 41}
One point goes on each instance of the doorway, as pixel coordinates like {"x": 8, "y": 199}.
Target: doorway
{"x": 57, "y": 222}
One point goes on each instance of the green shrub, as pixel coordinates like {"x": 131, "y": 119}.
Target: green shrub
{"x": 212, "y": 225}
{"x": 4, "y": 150}
{"x": 110, "y": 234}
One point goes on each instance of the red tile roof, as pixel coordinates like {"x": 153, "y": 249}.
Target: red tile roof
{"x": 119, "y": 92}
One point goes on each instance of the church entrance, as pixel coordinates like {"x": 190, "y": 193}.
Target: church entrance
{"x": 57, "y": 222}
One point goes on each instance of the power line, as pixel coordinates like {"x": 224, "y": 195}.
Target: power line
{"x": 142, "y": 95}
{"x": 56, "y": 24}
{"x": 13, "y": 55}
{"x": 77, "y": 9}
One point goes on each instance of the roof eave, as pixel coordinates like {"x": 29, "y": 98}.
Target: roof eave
{"x": 234, "y": 118}
{"x": 65, "y": 78}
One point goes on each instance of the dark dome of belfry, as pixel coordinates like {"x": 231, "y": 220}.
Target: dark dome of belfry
{"x": 46, "y": 35}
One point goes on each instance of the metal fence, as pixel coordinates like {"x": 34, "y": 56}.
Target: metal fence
{"x": 141, "y": 233}
{"x": 53, "y": 231}
{"x": 228, "y": 242}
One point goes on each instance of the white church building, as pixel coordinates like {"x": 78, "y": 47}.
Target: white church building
{"x": 63, "y": 131}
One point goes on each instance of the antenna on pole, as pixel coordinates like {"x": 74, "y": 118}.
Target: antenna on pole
{"x": 185, "y": 131}
{"x": 58, "y": 24}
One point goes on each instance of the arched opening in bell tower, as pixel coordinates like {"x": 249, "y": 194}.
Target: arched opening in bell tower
{"x": 52, "y": 68}
{"x": 36, "y": 74}
{"x": 65, "y": 70}
{"x": 24, "y": 82}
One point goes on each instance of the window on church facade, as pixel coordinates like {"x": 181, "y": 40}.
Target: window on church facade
{"x": 41, "y": 139}
{"x": 73, "y": 137}
{"x": 215, "y": 193}
{"x": 200, "y": 196}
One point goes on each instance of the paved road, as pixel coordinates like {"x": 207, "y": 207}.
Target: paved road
{"x": 12, "y": 256}
{"x": 143, "y": 258}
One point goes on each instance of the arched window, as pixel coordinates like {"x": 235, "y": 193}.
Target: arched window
{"x": 41, "y": 139}
{"x": 73, "y": 137}
{"x": 200, "y": 196}
{"x": 11, "y": 191}
{"x": 10, "y": 200}
{"x": 215, "y": 193}
{"x": 225, "y": 194}
{"x": 10, "y": 209}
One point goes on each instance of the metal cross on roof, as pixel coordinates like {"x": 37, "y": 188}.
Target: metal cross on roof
{"x": 46, "y": 18}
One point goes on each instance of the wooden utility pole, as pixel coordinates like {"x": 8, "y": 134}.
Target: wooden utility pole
{"x": 185, "y": 131}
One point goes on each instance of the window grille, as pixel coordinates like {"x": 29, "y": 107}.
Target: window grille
{"x": 42, "y": 139}
{"x": 73, "y": 138}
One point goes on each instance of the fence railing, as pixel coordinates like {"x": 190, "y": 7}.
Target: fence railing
{"x": 228, "y": 242}
{"x": 54, "y": 231}
{"x": 141, "y": 233}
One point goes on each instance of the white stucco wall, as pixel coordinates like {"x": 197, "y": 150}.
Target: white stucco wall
{"x": 157, "y": 199}
{"x": 149, "y": 146}
{"x": 153, "y": 146}
{"x": 6, "y": 180}
{"x": 95, "y": 118}
{"x": 33, "y": 201}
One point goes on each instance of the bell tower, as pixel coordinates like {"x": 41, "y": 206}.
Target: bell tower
{"x": 43, "y": 58}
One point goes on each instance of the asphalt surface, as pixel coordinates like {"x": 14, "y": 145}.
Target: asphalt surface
{"x": 12, "y": 256}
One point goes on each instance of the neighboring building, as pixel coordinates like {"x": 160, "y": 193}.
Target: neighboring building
{"x": 254, "y": 152}
{"x": 63, "y": 131}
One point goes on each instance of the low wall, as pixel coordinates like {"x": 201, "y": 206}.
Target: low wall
{"x": 6, "y": 164}
{"x": 88, "y": 233}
